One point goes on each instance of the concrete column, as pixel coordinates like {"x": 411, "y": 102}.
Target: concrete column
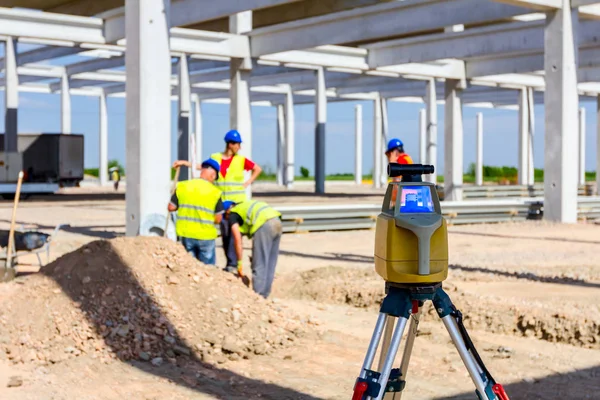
{"x": 358, "y": 148}
{"x": 65, "y": 104}
{"x": 598, "y": 145}
{"x": 377, "y": 146}
{"x": 289, "y": 138}
{"x": 320, "y": 121}
{"x": 148, "y": 112}
{"x": 561, "y": 102}
{"x": 280, "y": 144}
{"x": 384, "y": 139}
{"x": 582, "y": 146}
{"x": 423, "y": 136}
{"x": 479, "y": 152}
{"x": 197, "y": 130}
{"x": 432, "y": 120}
{"x": 240, "y": 115}
{"x": 11, "y": 93}
{"x": 523, "y": 147}
{"x": 103, "y": 140}
{"x": 530, "y": 168}
{"x": 453, "y": 136}
{"x": 183, "y": 121}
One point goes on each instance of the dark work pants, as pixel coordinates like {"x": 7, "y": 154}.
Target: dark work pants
{"x": 228, "y": 244}
{"x": 265, "y": 250}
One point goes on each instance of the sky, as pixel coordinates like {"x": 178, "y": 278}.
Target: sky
{"x": 40, "y": 113}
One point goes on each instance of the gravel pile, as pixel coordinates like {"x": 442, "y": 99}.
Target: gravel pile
{"x": 139, "y": 298}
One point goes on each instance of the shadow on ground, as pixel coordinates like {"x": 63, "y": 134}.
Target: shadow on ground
{"x": 131, "y": 298}
{"x": 551, "y": 239}
{"x": 577, "y": 385}
{"x": 95, "y": 231}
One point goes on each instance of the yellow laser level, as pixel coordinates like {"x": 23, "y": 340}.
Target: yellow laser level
{"x": 411, "y": 255}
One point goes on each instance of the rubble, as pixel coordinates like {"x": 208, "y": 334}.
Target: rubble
{"x": 144, "y": 299}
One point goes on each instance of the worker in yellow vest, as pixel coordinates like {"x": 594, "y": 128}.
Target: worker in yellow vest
{"x": 199, "y": 207}
{"x": 259, "y": 221}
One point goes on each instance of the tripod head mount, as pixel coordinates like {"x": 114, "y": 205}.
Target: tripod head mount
{"x": 411, "y": 238}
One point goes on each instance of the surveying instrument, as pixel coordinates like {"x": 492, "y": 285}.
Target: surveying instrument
{"x": 411, "y": 255}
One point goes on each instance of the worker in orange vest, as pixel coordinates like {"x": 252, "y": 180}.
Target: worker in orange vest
{"x": 395, "y": 154}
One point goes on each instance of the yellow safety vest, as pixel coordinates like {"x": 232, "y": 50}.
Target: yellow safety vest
{"x": 255, "y": 213}
{"x": 196, "y": 212}
{"x": 232, "y": 185}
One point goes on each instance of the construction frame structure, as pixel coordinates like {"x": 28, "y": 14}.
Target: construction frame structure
{"x": 486, "y": 53}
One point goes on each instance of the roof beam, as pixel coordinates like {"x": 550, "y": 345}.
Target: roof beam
{"x": 188, "y": 12}
{"x": 325, "y": 56}
{"x": 543, "y": 5}
{"x": 516, "y": 37}
{"x": 582, "y": 3}
{"x": 95, "y": 65}
{"x": 376, "y": 22}
{"x": 44, "y": 25}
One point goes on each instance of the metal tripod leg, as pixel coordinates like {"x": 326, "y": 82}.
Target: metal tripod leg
{"x": 387, "y": 337}
{"x": 372, "y": 350}
{"x": 391, "y": 356}
{"x": 410, "y": 341}
{"x": 472, "y": 367}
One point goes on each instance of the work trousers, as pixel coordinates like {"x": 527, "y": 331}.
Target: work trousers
{"x": 228, "y": 244}
{"x": 265, "y": 250}
{"x": 203, "y": 250}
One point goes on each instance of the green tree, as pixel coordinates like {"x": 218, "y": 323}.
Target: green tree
{"x": 304, "y": 172}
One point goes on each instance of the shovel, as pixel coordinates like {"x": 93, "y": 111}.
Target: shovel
{"x": 244, "y": 278}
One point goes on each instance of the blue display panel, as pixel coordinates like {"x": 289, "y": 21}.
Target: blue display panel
{"x": 416, "y": 199}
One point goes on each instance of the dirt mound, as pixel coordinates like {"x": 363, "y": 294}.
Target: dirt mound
{"x": 139, "y": 298}
{"x": 551, "y": 321}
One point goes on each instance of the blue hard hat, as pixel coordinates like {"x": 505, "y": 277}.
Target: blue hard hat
{"x": 227, "y": 204}
{"x": 211, "y": 163}
{"x": 394, "y": 144}
{"x": 233, "y": 136}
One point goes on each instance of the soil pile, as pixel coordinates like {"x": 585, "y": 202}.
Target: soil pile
{"x": 139, "y": 298}
{"x": 552, "y": 320}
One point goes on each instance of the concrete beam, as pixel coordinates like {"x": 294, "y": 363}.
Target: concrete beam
{"x": 423, "y": 136}
{"x": 582, "y": 146}
{"x": 289, "y": 158}
{"x": 95, "y": 65}
{"x": 198, "y": 136}
{"x": 323, "y": 56}
{"x": 148, "y": 115}
{"x": 376, "y": 22}
{"x": 479, "y": 150}
{"x": 103, "y": 140}
{"x": 320, "y": 122}
{"x": 432, "y": 120}
{"x": 453, "y": 146}
{"x": 523, "y": 137}
{"x": 478, "y": 42}
{"x": 280, "y": 147}
{"x": 358, "y": 147}
{"x": 183, "y": 120}
{"x": 560, "y": 172}
{"x": 543, "y": 5}
{"x": 65, "y": 104}
{"x": 377, "y": 144}
{"x": 11, "y": 93}
{"x": 530, "y": 164}
{"x": 598, "y": 145}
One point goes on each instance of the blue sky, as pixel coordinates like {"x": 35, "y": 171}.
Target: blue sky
{"x": 41, "y": 113}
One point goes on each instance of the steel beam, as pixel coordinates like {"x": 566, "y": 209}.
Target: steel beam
{"x": 453, "y": 146}
{"x": 148, "y": 105}
{"x": 375, "y": 22}
{"x": 358, "y": 147}
{"x": 183, "y": 121}
{"x": 11, "y": 93}
{"x": 103, "y": 140}
{"x": 320, "y": 121}
{"x": 479, "y": 150}
{"x": 561, "y": 100}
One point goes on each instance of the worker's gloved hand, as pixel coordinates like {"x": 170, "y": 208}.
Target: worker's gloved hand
{"x": 240, "y": 268}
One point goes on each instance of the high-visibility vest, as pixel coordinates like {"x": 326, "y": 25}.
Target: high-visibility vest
{"x": 196, "y": 212}
{"x": 232, "y": 185}
{"x": 254, "y": 213}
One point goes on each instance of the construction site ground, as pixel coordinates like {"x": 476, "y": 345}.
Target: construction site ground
{"x": 530, "y": 293}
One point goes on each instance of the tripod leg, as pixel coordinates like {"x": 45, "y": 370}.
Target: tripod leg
{"x": 391, "y": 356}
{"x": 372, "y": 350}
{"x": 410, "y": 341}
{"x": 387, "y": 337}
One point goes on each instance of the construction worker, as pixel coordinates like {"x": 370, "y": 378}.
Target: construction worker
{"x": 395, "y": 154}
{"x": 116, "y": 177}
{"x": 262, "y": 223}
{"x": 199, "y": 207}
{"x": 232, "y": 184}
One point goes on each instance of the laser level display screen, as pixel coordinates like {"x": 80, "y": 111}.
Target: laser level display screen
{"x": 416, "y": 199}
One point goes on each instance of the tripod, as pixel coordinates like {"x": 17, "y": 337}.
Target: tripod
{"x": 404, "y": 302}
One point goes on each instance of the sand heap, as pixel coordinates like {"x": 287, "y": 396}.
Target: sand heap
{"x": 139, "y": 298}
